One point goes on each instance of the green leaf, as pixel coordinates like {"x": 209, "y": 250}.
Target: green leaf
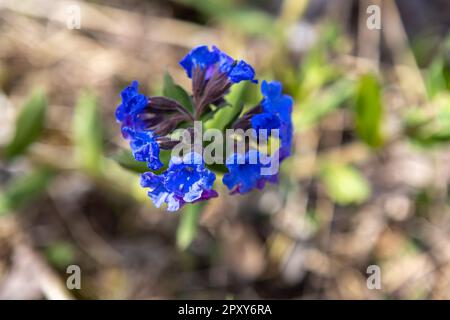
{"x": 226, "y": 115}
{"x": 218, "y": 167}
{"x": 323, "y": 103}
{"x": 250, "y": 21}
{"x": 369, "y": 111}
{"x": 244, "y": 18}
{"x": 209, "y": 8}
{"x": 126, "y": 160}
{"x": 427, "y": 130}
{"x": 435, "y": 78}
{"x": 60, "y": 253}
{"x": 345, "y": 184}
{"x": 176, "y": 92}
{"x": 24, "y": 189}
{"x": 87, "y": 133}
{"x": 188, "y": 226}
{"x": 29, "y": 125}
{"x": 315, "y": 71}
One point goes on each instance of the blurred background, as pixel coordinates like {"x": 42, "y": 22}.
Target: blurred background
{"x": 367, "y": 183}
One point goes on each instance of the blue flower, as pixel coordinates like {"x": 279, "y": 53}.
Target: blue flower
{"x": 245, "y": 172}
{"x": 199, "y": 56}
{"x": 132, "y": 104}
{"x": 276, "y": 105}
{"x": 217, "y": 60}
{"x": 143, "y": 142}
{"x": 185, "y": 181}
{"x": 265, "y": 121}
{"x": 158, "y": 193}
{"x": 188, "y": 177}
{"x": 145, "y": 148}
{"x": 276, "y": 102}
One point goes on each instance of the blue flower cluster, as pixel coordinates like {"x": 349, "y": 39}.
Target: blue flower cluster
{"x": 146, "y": 122}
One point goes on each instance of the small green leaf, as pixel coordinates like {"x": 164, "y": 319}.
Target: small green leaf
{"x": 435, "y": 78}
{"x": 323, "y": 103}
{"x": 226, "y": 115}
{"x": 369, "y": 111}
{"x": 315, "y": 72}
{"x": 24, "y": 189}
{"x": 60, "y": 253}
{"x": 218, "y": 167}
{"x": 176, "y": 92}
{"x": 29, "y": 125}
{"x": 250, "y": 21}
{"x": 126, "y": 160}
{"x": 428, "y": 130}
{"x": 212, "y": 7}
{"x": 188, "y": 226}
{"x": 87, "y": 133}
{"x": 345, "y": 184}
{"x": 226, "y": 12}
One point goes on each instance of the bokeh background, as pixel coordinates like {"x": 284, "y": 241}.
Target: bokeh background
{"x": 367, "y": 183}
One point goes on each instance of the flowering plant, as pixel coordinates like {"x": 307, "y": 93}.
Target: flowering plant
{"x": 150, "y": 123}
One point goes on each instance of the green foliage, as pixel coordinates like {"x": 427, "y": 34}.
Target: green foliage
{"x": 369, "y": 111}
{"x": 176, "y": 92}
{"x": 229, "y": 13}
{"x": 126, "y": 160}
{"x": 217, "y": 167}
{"x": 315, "y": 72}
{"x": 87, "y": 134}
{"x": 60, "y": 254}
{"x": 253, "y": 22}
{"x": 345, "y": 184}
{"x": 24, "y": 189}
{"x": 188, "y": 226}
{"x": 209, "y": 8}
{"x": 429, "y": 130}
{"x": 436, "y": 77}
{"x": 323, "y": 103}
{"x": 226, "y": 115}
{"x": 29, "y": 125}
